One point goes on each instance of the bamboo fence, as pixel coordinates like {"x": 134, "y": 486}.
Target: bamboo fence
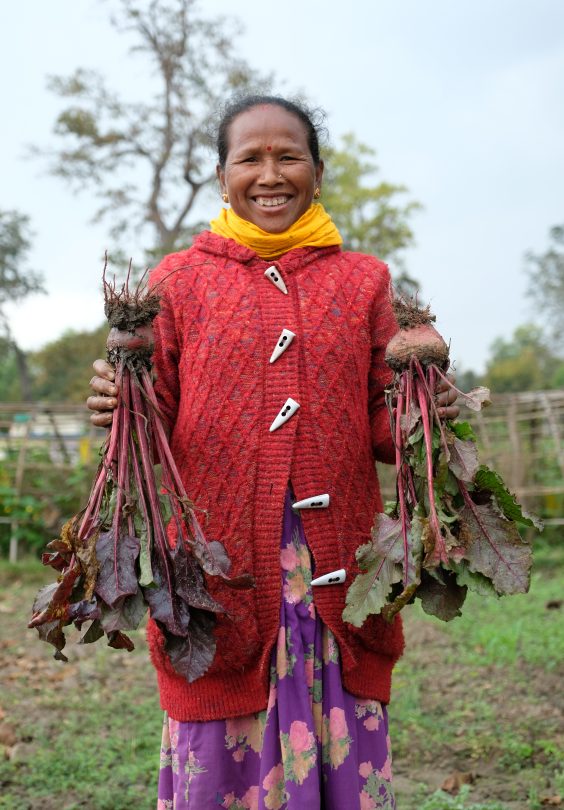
{"x": 520, "y": 435}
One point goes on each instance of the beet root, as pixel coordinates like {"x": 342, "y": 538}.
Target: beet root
{"x": 422, "y": 342}
{"x": 139, "y": 338}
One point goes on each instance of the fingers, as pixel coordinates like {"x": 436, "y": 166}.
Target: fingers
{"x": 446, "y": 399}
{"x": 100, "y": 385}
{"x": 451, "y": 412}
{"x": 102, "y": 419}
{"x": 105, "y": 392}
{"x": 102, "y": 382}
{"x": 103, "y": 369}
{"x": 101, "y": 403}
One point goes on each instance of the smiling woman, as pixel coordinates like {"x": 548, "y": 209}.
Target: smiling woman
{"x": 269, "y": 173}
{"x": 270, "y": 374}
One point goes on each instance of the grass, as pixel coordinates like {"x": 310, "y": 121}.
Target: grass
{"x": 477, "y": 696}
{"x": 88, "y": 731}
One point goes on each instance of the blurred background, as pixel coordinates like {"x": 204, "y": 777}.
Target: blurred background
{"x": 444, "y": 152}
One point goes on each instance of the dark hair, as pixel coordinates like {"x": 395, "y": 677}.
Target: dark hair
{"x": 312, "y": 119}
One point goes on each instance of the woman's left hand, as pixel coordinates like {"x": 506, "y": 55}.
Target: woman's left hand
{"x": 446, "y": 400}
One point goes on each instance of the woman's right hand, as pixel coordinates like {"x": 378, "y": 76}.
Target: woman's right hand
{"x": 104, "y": 400}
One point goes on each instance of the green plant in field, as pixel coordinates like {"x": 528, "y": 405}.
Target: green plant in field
{"x": 25, "y": 511}
{"x": 442, "y": 801}
{"x": 49, "y": 496}
{"x": 517, "y": 754}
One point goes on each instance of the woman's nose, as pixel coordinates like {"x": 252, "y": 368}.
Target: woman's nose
{"x": 270, "y": 173}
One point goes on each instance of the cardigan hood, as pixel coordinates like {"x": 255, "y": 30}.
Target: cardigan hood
{"x": 243, "y": 426}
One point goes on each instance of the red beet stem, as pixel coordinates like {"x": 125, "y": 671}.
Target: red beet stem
{"x": 161, "y": 435}
{"x": 401, "y": 481}
{"x": 141, "y": 427}
{"x": 140, "y": 493}
{"x": 433, "y": 519}
{"x": 430, "y": 388}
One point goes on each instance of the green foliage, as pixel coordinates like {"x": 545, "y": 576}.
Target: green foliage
{"x": 16, "y": 280}
{"x": 442, "y": 801}
{"x": 63, "y": 367}
{"x": 524, "y": 363}
{"x": 59, "y": 372}
{"x": 464, "y": 694}
{"x": 50, "y": 495}
{"x": 10, "y": 383}
{"x": 26, "y": 511}
{"x": 367, "y": 211}
{"x": 546, "y": 284}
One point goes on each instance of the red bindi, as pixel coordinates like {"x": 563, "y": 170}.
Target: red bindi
{"x": 269, "y": 148}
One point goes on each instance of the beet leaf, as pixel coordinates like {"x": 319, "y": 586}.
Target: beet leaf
{"x": 137, "y": 545}
{"x": 453, "y": 524}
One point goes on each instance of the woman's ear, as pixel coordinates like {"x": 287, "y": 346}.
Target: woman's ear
{"x": 319, "y": 173}
{"x": 221, "y": 179}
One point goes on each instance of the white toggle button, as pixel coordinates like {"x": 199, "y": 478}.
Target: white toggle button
{"x": 334, "y": 578}
{"x": 316, "y": 502}
{"x": 273, "y": 275}
{"x": 286, "y": 337}
{"x": 289, "y": 409}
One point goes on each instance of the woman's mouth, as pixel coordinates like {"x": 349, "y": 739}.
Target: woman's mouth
{"x": 272, "y": 202}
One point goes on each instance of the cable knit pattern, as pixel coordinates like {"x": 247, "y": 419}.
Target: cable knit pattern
{"x": 219, "y": 322}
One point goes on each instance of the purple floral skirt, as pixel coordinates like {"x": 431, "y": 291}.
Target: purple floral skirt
{"x": 315, "y": 746}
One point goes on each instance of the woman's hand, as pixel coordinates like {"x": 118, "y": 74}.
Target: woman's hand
{"x": 104, "y": 401}
{"x": 446, "y": 399}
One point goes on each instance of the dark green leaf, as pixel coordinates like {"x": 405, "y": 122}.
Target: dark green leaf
{"x": 441, "y": 599}
{"x": 462, "y": 430}
{"x": 472, "y": 580}
{"x": 93, "y": 633}
{"x": 491, "y": 481}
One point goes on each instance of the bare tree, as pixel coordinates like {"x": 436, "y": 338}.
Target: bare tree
{"x": 148, "y": 160}
{"x": 546, "y": 286}
{"x": 16, "y": 282}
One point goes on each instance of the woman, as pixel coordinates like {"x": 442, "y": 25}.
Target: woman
{"x": 270, "y": 374}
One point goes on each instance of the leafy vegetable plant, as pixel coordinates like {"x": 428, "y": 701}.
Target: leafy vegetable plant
{"x": 453, "y": 524}
{"x": 137, "y": 545}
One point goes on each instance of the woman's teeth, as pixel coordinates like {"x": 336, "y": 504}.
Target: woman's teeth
{"x": 271, "y": 202}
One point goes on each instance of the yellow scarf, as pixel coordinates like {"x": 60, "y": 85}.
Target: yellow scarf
{"x": 315, "y": 228}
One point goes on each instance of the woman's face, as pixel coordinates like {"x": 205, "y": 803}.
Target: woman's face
{"x": 269, "y": 172}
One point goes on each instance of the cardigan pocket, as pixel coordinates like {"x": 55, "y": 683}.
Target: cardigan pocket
{"x": 237, "y": 633}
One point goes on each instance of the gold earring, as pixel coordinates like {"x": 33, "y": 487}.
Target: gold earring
{"x": 317, "y": 193}
{"x": 225, "y": 197}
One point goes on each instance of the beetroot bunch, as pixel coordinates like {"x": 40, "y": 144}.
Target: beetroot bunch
{"x": 453, "y": 523}
{"x": 137, "y": 545}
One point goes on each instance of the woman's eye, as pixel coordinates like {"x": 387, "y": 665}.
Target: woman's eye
{"x": 288, "y": 157}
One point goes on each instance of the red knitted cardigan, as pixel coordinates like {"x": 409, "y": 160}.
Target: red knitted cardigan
{"x": 220, "y": 320}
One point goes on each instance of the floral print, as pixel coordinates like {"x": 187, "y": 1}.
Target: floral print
{"x": 244, "y": 733}
{"x": 314, "y": 739}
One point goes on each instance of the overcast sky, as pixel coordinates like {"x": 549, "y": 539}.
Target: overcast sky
{"x": 463, "y": 100}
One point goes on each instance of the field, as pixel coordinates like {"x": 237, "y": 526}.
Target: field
{"x": 475, "y": 703}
